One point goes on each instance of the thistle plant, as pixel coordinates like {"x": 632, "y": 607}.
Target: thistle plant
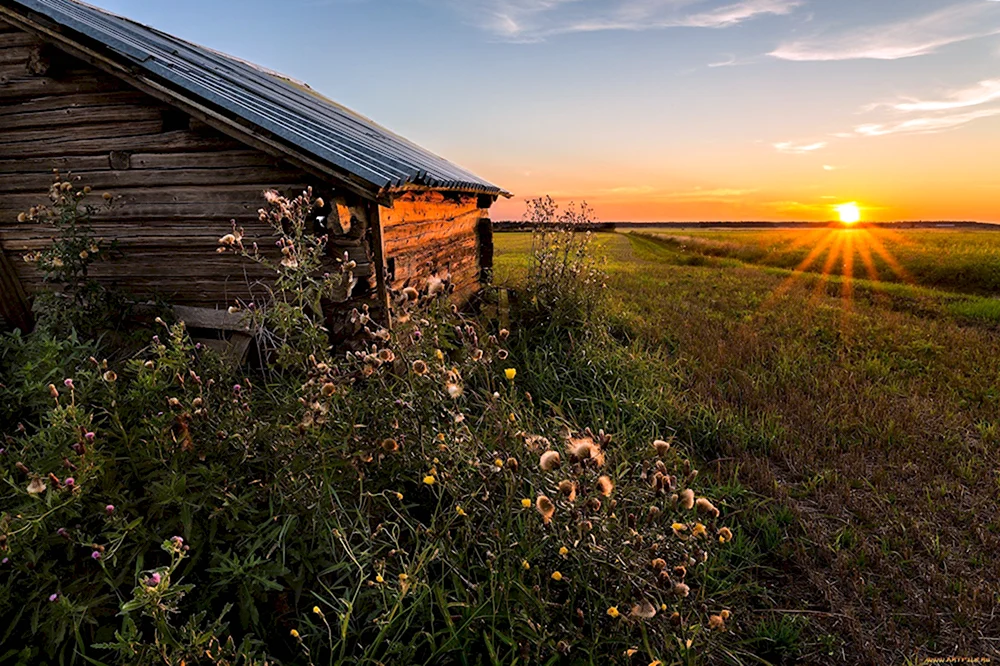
{"x": 291, "y": 316}
{"x": 75, "y": 247}
{"x": 77, "y": 302}
{"x": 567, "y": 281}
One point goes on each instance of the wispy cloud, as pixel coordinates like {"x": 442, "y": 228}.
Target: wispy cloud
{"x": 983, "y": 92}
{"x": 925, "y": 124}
{"x": 904, "y": 39}
{"x": 536, "y": 20}
{"x": 948, "y": 111}
{"x": 912, "y": 115}
{"x": 699, "y": 194}
{"x": 799, "y": 148}
{"x": 651, "y": 193}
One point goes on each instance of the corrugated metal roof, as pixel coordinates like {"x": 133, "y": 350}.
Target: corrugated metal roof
{"x": 285, "y": 108}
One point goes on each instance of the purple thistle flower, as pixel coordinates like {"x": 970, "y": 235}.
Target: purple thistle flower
{"x": 69, "y": 482}
{"x": 237, "y": 388}
{"x": 96, "y": 555}
{"x": 68, "y": 383}
{"x": 109, "y": 509}
{"x": 53, "y": 597}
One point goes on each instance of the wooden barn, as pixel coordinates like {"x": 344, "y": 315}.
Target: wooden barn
{"x": 188, "y": 139}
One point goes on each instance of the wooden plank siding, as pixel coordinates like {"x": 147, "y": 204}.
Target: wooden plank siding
{"x": 177, "y": 183}
{"x": 432, "y": 233}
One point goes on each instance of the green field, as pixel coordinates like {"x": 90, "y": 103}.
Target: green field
{"x": 854, "y": 421}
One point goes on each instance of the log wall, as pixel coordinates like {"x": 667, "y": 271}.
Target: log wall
{"x": 177, "y": 183}
{"x": 432, "y": 233}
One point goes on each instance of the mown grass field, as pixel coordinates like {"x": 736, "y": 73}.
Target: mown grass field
{"x": 849, "y": 410}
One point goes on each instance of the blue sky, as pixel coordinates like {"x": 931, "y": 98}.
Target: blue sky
{"x": 657, "y": 109}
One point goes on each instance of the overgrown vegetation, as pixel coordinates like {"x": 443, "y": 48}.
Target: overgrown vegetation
{"x": 77, "y": 303}
{"x": 452, "y": 493}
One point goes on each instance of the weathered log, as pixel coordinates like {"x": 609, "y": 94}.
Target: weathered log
{"x": 15, "y": 308}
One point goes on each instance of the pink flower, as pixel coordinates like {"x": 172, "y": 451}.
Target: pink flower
{"x": 53, "y": 597}
{"x": 68, "y": 383}
{"x": 109, "y": 509}
{"x": 96, "y": 555}
{"x": 69, "y": 482}
{"x": 90, "y": 436}
{"x": 154, "y": 580}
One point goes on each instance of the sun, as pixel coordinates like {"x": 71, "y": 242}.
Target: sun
{"x": 849, "y": 213}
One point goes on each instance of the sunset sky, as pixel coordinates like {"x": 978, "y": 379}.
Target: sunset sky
{"x": 657, "y": 109}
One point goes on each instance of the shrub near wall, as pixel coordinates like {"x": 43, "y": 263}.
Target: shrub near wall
{"x": 406, "y": 503}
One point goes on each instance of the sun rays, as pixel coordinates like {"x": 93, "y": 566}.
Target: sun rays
{"x": 839, "y": 256}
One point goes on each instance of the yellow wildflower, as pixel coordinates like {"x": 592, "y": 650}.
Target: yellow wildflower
{"x": 613, "y": 611}
{"x": 510, "y": 373}
{"x": 725, "y": 534}
{"x": 556, "y": 576}
{"x": 460, "y": 511}
{"x": 379, "y": 579}
{"x": 525, "y": 565}
{"x": 429, "y": 480}
{"x": 678, "y": 528}
{"x": 399, "y": 496}
{"x": 403, "y": 577}
{"x": 498, "y": 462}
{"x": 564, "y": 551}
{"x": 294, "y": 633}
{"x": 526, "y": 503}
{"x": 699, "y": 530}
{"x": 317, "y": 611}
